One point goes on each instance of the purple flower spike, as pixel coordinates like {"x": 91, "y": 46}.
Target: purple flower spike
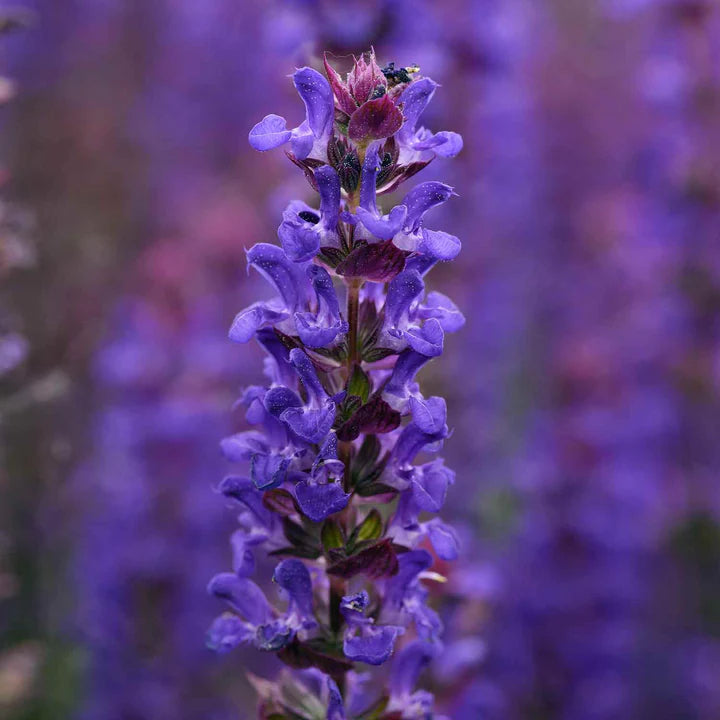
{"x": 328, "y": 450}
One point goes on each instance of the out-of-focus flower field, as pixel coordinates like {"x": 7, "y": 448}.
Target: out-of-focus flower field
{"x": 583, "y": 391}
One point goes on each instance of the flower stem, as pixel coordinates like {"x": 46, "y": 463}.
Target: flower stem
{"x": 353, "y": 306}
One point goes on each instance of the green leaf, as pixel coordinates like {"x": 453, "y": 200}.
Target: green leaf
{"x": 369, "y": 529}
{"x": 359, "y": 384}
{"x": 331, "y": 535}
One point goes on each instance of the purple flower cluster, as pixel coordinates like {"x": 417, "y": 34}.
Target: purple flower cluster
{"x": 339, "y": 485}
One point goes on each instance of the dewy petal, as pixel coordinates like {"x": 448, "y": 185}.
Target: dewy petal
{"x": 328, "y": 183}
{"x": 368, "y": 193}
{"x": 429, "y": 486}
{"x": 442, "y": 308}
{"x": 259, "y": 315}
{"x": 324, "y": 290}
{"x": 439, "y": 245}
{"x": 268, "y": 470}
{"x": 428, "y": 427}
{"x": 288, "y": 278}
{"x": 317, "y": 330}
{"x": 401, "y": 293}
{"x": 373, "y": 645}
{"x": 227, "y": 632}
{"x": 451, "y": 145}
{"x": 278, "y": 360}
{"x": 320, "y": 500}
{"x": 244, "y": 491}
{"x": 310, "y": 425}
{"x": 243, "y": 445}
{"x": 279, "y": 398}
{"x": 242, "y": 595}
{"x": 269, "y": 133}
{"x": 302, "y": 141}
{"x": 293, "y": 577}
{"x": 429, "y": 415}
{"x": 299, "y": 240}
{"x": 423, "y": 197}
{"x": 406, "y": 367}
{"x": 414, "y": 100}
{"x": 326, "y": 462}
{"x": 306, "y": 372}
{"x": 312, "y": 334}
{"x": 427, "y": 340}
{"x": 407, "y": 666}
{"x": 317, "y": 95}
{"x": 383, "y": 226}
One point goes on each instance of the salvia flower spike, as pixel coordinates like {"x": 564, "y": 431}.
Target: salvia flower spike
{"x": 336, "y": 479}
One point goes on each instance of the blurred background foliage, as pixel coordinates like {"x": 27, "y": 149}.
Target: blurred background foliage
{"x": 584, "y": 390}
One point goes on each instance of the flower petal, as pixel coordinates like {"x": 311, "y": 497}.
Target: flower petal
{"x": 242, "y": 595}
{"x": 293, "y": 577}
{"x": 320, "y": 500}
{"x": 401, "y": 293}
{"x": 414, "y": 100}
{"x": 423, "y": 197}
{"x": 269, "y": 133}
{"x": 407, "y": 666}
{"x": 227, "y": 632}
{"x": 373, "y": 645}
{"x": 259, "y": 315}
{"x": 317, "y": 95}
{"x": 439, "y": 245}
{"x": 288, "y": 278}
